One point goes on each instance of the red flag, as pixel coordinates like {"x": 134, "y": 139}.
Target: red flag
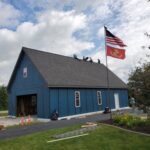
{"x": 111, "y": 42}
{"x": 115, "y": 52}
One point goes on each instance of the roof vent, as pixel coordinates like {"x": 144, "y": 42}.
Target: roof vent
{"x": 99, "y": 61}
{"x": 75, "y": 57}
{"x": 91, "y": 60}
{"x": 85, "y": 58}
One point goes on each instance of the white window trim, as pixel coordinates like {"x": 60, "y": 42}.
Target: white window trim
{"x": 100, "y": 97}
{"x": 79, "y": 99}
{"x": 25, "y": 70}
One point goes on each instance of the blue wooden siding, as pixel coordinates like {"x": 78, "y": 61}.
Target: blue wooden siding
{"x": 63, "y": 103}
{"x": 63, "y": 100}
{"x": 33, "y": 84}
{"x": 54, "y": 100}
{"x": 71, "y": 102}
{"x": 83, "y": 100}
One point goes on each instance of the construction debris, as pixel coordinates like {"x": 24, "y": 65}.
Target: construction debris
{"x": 1, "y": 127}
{"x": 89, "y": 124}
{"x": 76, "y": 136}
{"x": 76, "y": 132}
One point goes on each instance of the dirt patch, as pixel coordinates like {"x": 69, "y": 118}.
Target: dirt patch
{"x": 142, "y": 129}
{"x": 145, "y": 129}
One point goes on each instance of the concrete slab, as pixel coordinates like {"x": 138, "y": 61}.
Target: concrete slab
{"x": 10, "y": 121}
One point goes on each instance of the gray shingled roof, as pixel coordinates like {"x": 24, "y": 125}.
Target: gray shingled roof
{"x": 62, "y": 71}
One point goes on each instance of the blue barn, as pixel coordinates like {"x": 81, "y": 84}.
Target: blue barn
{"x": 43, "y": 82}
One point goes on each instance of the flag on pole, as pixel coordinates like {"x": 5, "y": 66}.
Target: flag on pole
{"x": 114, "y": 46}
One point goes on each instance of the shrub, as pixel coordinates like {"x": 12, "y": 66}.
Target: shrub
{"x": 129, "y": 121}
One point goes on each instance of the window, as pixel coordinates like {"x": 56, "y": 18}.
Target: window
{"x": 77, "y": 99}
{"x": 99, "y": 98}
{"x": 25, "y": 72}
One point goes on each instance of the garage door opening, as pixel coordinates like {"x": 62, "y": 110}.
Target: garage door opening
{"x": 27, "y": 105}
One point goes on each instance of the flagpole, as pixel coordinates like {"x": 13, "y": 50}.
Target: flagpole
{"x": 108, "y": 87}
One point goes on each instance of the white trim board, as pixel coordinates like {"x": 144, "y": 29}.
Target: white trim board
{"x": 91, "y": 113}
{"x": 72, "y": 116}
{"x": 82, "y": 115}
{"x": 78, "y": 115}
{"x": 123, "y": 108}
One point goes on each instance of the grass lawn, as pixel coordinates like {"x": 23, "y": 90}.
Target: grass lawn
{"x": 103, "y": 138}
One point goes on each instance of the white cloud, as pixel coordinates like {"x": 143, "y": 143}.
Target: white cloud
{"x": 68, "y": 19}
{"x": 8, "y": 15}
{"x": 101, "y": 13}
{"x": 81, "y": 6}
{"x": 100, "y": 32}
{"x": 134, "y": 22}
{"x": 53, "y": 32}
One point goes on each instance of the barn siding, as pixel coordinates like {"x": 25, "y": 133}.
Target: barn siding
{"x": 82, "y": 100}
{"x": 33, "y": 84}
{"x": 63, "y": 100}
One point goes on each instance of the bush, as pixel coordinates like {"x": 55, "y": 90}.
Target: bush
{"x": 3, "y": 98}
{"x": 129, "y": 121}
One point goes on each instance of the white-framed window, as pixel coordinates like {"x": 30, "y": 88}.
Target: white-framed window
{"x": 77, "y": 99}
{"x": 25, "y": 72}
{"x": 99, "y": 97}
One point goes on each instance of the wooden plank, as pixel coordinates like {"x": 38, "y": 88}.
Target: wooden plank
{"x": 67, "y": 138}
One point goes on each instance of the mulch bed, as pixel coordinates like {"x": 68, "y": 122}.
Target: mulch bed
{"x": 142, "y": 129}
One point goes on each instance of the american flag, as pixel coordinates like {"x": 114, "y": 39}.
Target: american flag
{"x": 113, "y": 40}
{"x": 112, "y": 44}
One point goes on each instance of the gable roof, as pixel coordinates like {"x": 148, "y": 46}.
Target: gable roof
{"x": 63, "y": 71}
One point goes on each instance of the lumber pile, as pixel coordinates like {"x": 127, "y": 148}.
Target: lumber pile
{"x": 89, "y": 124}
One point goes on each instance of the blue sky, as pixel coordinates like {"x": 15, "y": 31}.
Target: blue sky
{"x": 70, "y": 27}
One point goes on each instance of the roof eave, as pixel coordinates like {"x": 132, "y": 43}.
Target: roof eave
{"x": 86, "y": 86}
{"x": 15, "y": 67}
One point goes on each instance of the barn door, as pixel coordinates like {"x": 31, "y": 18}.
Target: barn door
{"x": 116, "y": 98}
{"x": 27, "y": 105}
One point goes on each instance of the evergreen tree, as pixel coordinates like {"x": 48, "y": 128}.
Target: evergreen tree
{"x": 3, "y": 98}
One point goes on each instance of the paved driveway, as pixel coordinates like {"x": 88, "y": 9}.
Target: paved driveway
{"x": 15, "y": 132}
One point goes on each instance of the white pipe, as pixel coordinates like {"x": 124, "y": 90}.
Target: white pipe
{"x": 67, "y": 138}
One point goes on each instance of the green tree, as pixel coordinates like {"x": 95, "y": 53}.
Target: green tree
{"x": 139, "y": 85}
{"x": 3, "y": 98}
{"x": 139, "y": 80}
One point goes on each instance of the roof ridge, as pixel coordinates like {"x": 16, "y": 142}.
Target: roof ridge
{"x": 40, "y": 51}
{"x": 37, "y": 50}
